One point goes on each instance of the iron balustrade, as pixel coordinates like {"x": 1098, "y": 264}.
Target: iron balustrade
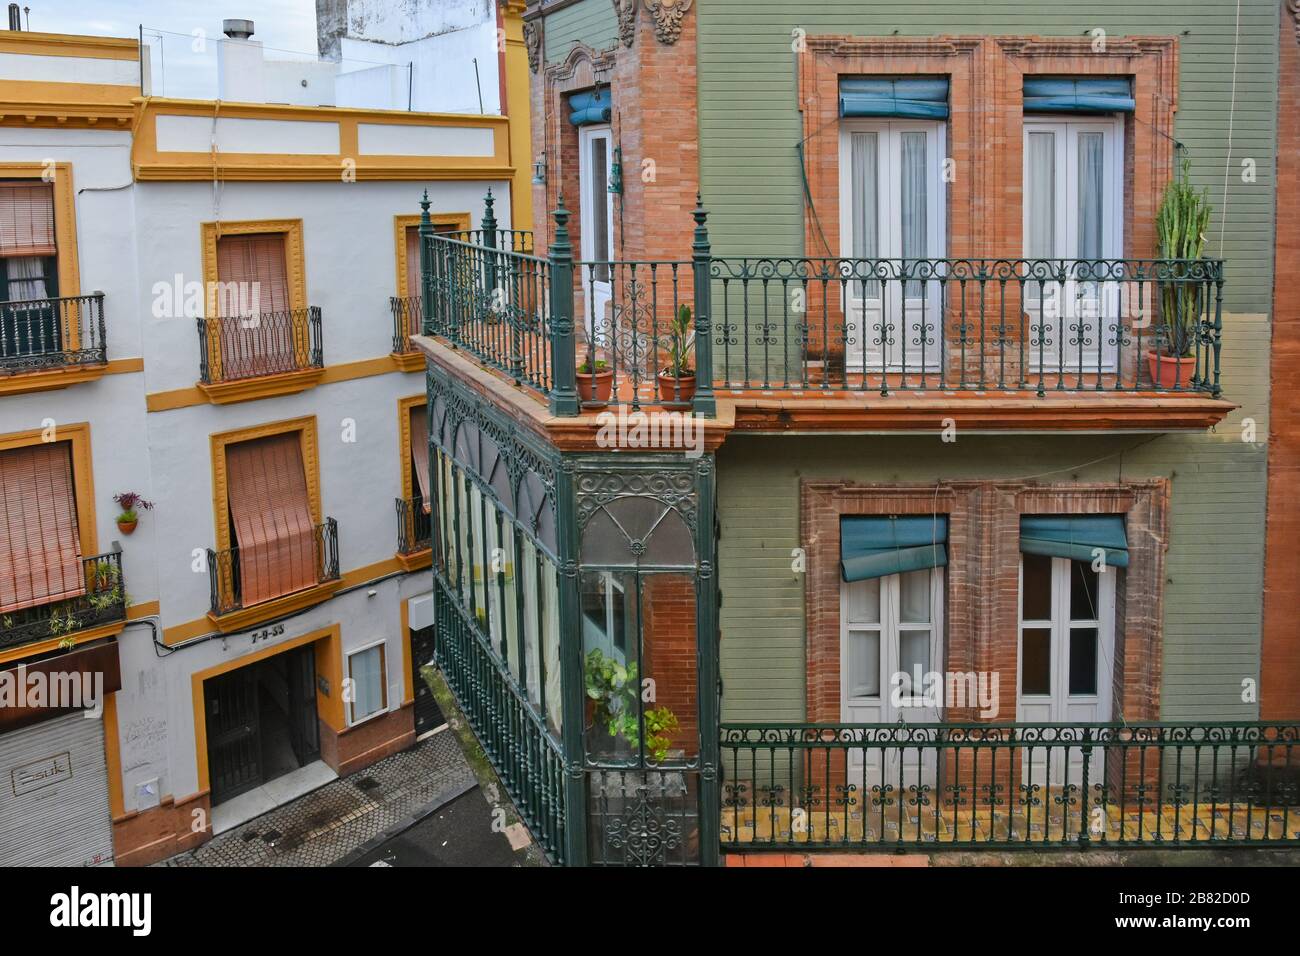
{"x": 414, "y": 525}
{"x": 408, "y": 320}
{"x": 225, "y": 572}
{"x": 1007, "y": 786}
{"x": 526, "y": 756}
{"x": 232, "y": 348}
{"x": 50, "y": 333}
{"x": 102, "y": 602}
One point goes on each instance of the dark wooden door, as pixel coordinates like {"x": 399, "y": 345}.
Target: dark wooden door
{"x": 304, "y": 730}
{"x": 234, "y": 738}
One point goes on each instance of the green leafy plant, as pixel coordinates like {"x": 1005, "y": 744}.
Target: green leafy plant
{"x": 62, "y": 624}
{"x": 681, "y": 343}
{"x": 613, "y": 688}
{"x": 129, "y": 501}
{"x": 586, "y": 368}
{"x": 1181, "y": 222}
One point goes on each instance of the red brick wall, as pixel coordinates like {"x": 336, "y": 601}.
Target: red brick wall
{"x": 1279, "y": 696}
{"x": 669, "y": 652}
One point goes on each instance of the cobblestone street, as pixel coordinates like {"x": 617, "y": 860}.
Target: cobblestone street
{"x": 337, "y": 820}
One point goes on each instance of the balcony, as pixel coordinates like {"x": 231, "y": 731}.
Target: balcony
{"x": 839, "y": 343}
{"x": 273, "y": 577}
{"x": 52, "y": 342}
{"x": 414, "y": 533}
{"x": 100, "y": 605}
{"x": 408, "y": 320}
{"x": 256, "y": 356}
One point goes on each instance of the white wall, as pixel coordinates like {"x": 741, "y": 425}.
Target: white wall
{"x": 444, "y": 78}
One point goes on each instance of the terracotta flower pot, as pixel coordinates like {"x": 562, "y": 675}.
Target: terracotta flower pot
{"x": 595, "y": 389}
{"x": 676, "y": 391}
{"x": 126, "y": 527}
{"x": 1170, "y": 371}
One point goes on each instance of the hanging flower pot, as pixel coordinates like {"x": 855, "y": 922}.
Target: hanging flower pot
{"x": 129, "y": 501}
{"x": 127, "y": 525}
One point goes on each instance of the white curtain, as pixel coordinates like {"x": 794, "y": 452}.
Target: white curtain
{"x": 913, "y": 184}
{"x": 551, "y": 644}
{"x": 866, "y": 219}
{"x": 1040, "y": 196}
{"x": 366, "y": 668}
{"x": 26, "y": 278}
{"x": 1091, "y": 184}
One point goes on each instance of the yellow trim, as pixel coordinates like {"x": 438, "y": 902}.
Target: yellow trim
{"x": 124, "y": 366}
{"x": 69, "y": 44}
{"x": 65, "y": 222}
{"x": 266, "y": 386}
{"x": 404, "y": 406}
{"x": 145, "y": 609}
{"x": 457, "y": 220}
{"x": 83, "y": 475}
{"x": 416, "y": 560}
{"x": 518, "y": 108}
{"x": 280, "y": 607}
{"x": 113, "y": 757}
{"x": 330, "y": 635}
{"x": 407, "y": 362}
{"x": 149, "y": 163}
{"x": 408, "y": 675}
{"x": 48, "y": 380}
{"x": 51, "y": 645}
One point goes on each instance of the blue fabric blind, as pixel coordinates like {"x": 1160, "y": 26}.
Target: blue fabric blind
{"x": 1075, "y": 536}
{"x": 874, "y": 547}
{"x": 588, "y": 108}
{"x": 1083, "y": 94}
{"x": 916, "y": 97}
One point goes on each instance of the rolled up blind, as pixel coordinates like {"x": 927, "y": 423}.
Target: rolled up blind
{"x": 413, "y": 261}
{"x": 872, "y": 547}
{"x": 271, "y": 512}
{"x": 1081, "y": 94}
{"x": 1075, "y": 536}
{"x": 26, "y": 219}
{"x": 420, "y": 451}
{"x": 40, "y": 549}
{"x": 589, "y": 108}
{"x": 916, "y": 97}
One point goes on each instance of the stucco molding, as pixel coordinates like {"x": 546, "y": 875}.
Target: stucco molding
{"x": 625, "y": 10}
{"x": 583, "y": 66}
{"x": 1293, "y": 8}
{"x": 533, "y": 43}
{"x": 668, "y": 15}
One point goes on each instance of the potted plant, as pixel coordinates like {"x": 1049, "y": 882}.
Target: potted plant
{"x": 129, "y": 502}
{"x": 612, "y": 690}
{"x": 677, "y": 379}
{"x": 595, "y": 382}
{"x": 1180, "y": 234}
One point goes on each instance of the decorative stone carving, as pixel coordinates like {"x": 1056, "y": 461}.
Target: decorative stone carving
{"x": 625, "y": 10}
{"x": 1293, "y": 8}
{"x": 533, "y": 41}
{"x": 668, "y": 18}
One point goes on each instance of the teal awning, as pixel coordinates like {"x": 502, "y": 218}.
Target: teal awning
{"x": 1079, "y": 94}
{"x": 1075, "y": 536}
{"x": 588, "y": 108}
{"x": 917, "y": 97}
{"x": 873, "y": 547}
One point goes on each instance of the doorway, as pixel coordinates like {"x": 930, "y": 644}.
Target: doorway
{"x": 596, "y": 212}
{"x": 261, "y": 722}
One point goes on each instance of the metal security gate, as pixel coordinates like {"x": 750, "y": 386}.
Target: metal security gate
{"x": 54, "y": 794}
{"x": 428, "y": 716}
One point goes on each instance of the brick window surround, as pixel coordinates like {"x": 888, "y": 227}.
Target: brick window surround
{"x": 982, "y": 578}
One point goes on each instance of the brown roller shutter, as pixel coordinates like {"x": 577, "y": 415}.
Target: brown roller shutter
{"x": 262, "y": 341}
{"x": 40, "y": 550}
{"x": 420, "y": 450}
{"x": 26, "y": 219}
{"x": 413, "y": 261}
{"x": 271, "y": 515}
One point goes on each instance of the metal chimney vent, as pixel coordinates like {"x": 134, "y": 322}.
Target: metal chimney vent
{"x": 237, "y": 29}
{"x": 15, "y": 17}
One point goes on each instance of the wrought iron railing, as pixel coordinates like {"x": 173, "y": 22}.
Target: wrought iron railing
{"x": 526, "y": 756}
{"x": 232, "y": 348}
{"x": 272, "y": 569}
{"x": 42, "y": 334}
{"x": 603, "y": 332}
{"x": 938, "y": 786}
{"x": 102, "y": 602}
{"x": 408, "y": 320}
{"x": 414, "y": 525}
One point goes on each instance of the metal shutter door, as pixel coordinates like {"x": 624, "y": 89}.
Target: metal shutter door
{"x": 64, "y": 822}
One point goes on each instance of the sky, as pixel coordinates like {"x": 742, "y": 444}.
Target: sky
{"x": 183, "y": 64}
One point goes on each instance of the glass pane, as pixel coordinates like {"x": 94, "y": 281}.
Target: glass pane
{"x": 914, "y": 588}
{"x": 366, "y": 670}
{"x": 1040, "y": 199}
{"x": 1036, "y": 589}
{"x": 864, "y": 601}
{"x": 1083, "y": 591}
{"x": 668, "y": 665}
{"x": 604, "y": 614}
{"x": 864, "y": 664}
{"x": 526, "y": 576}
{"x": 550, "y": 596}
{"x": 599, "y": 178}
{"x": 1091, "y": 201}
{"x": 1036, "y": 660}
{"x": 1083, "y": 660}
{"x": 866, "y": 188}
{"x": 912, "y": 163}
{"x": 914, "y": 655}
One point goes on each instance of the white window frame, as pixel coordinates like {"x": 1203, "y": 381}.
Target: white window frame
{"x": 353, "y": 720}
{"x": 597, "y": 302}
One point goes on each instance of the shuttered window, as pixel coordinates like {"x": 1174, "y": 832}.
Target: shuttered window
{"x": 253, "y": 291}
{"x": 26, "y": 218}
{"x": 271, "y": 517}
{"x": 40, "y": 550}
{"x": 413, "y": 260}
{"x": 420, "y": 451}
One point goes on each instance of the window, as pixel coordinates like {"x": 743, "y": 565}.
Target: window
{"x": 40, "y": 547}
{"x": 892, "y": 207}
{"x": 29, "y": 323}
{"x": 367, "y": 671}
{"x": 892, "y": 629}
{"x": 596, "y": 232}
{"x": 605, "y": 613}
{"x": 271, "y": 520}
{"x": 259, "y": 334}
{"x": 419, "y": 455}
{"x": 1073, "y": 210}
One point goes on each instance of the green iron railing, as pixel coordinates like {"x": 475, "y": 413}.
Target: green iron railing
{"x": 1009, "y": 786}
{"x": 526, "y": 757}
{"x": 590, "y": 333}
